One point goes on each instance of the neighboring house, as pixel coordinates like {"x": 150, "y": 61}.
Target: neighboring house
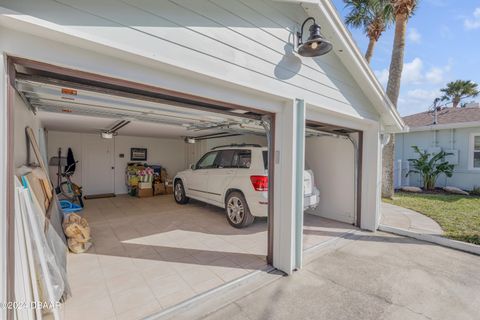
{"x": 205, "y": 63}
{"x": 456, "y": 131}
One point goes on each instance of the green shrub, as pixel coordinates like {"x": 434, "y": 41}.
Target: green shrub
{"x": 430, "y": 166}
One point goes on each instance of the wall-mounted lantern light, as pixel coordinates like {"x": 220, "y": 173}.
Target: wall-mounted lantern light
{"x": 316, "y": 45}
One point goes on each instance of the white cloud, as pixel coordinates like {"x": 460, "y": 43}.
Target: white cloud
{"x": 414, "y": 36}
{"x": 420, "y": 84}
{"x": 416, "y": 100}
{"x": 412, "y": 71}
{"x": 435, "y": 75}
{"x": 423, "y": 95}
{"x": 474, "y": 22}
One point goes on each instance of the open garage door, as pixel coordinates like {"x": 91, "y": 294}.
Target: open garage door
{"x": 169, "y": 247}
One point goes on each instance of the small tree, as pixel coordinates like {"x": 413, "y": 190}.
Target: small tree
{"x": 430, "y": 166}
{"x": 374, "y": 16}
{"x": 455, "y": 91}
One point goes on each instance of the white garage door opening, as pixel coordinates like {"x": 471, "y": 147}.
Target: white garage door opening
{"x": 149, "y": 251}
{"x": 331, "y": 155}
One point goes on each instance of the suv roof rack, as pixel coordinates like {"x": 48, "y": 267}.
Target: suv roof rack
{"x": 238, "y": 145}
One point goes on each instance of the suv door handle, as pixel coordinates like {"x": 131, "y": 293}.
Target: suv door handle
{"x": 230, "y": 171}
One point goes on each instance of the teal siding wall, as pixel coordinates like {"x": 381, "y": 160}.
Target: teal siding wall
{"x": 447, "y": 139}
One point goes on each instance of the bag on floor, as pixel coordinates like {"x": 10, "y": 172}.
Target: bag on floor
{"x": 78, "y": 247}
{"x": 76, "y": 227}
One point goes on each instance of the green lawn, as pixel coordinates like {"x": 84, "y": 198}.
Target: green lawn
{"x": 459, "y": 216}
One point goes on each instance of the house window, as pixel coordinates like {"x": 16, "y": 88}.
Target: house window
{"x": 476, "y": 151}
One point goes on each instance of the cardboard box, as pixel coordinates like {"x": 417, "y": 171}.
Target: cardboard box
{"x": 163, "y": 175}
{"x": 145, "y": 185}
{"x": 144, "y": 193}
{"x": 169, "y": 189}
{"x": 159, "y": 188}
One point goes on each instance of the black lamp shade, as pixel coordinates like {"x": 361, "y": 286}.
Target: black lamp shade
{"x": 316, "y": 45}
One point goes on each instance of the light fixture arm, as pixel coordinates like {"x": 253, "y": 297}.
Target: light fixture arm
{"x": 300, "y": 34}
{"x": 316, "y": 45}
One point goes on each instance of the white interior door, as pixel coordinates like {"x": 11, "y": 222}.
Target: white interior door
{"x": 98, "y": 165}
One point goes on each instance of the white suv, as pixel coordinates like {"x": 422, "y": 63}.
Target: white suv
{"x": 234, "y": 177}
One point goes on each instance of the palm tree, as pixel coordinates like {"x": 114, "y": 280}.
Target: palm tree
{"x": 402, "y": 11}
{"x": 455, "y": 91}
{"x": 374, "y": 16}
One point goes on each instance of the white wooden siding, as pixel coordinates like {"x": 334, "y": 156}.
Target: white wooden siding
{"x": 248, "y": 42}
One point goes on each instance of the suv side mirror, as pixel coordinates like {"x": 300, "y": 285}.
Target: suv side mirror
{"x": 192, "y": 166}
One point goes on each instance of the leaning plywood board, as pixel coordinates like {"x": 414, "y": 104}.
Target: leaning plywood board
{"x": 26, "y": 289}
{"x": 38, "y": 155}
{"x": 50, "y": 273}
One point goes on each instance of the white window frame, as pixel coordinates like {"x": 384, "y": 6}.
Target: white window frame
{"x": 472, "y": 151}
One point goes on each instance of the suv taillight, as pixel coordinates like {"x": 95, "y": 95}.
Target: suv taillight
{"x": 260, "y": 183}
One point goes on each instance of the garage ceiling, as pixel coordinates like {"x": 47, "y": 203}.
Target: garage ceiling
{"x": 87, "y": 124}
{"x": 71, "y": 109}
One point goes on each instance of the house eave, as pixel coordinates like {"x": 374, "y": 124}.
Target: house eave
{"x": 443, "y": 126}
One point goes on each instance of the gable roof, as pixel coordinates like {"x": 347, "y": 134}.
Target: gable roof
{"x": 446, "y": 116}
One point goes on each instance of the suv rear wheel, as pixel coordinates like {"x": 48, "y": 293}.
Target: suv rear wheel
{"x": 179, "y": 193}
{"x": 238, "y": 213}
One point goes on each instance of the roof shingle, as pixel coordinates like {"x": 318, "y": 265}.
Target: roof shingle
{"x": 444, "y": 116}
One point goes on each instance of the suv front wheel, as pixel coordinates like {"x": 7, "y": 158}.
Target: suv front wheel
{"x": 179, "y": 193}
{"x": 238, "y": 214}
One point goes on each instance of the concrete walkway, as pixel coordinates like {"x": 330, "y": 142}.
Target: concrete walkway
{"x": 398, "y": 217}
{"x": 371, "y": 276}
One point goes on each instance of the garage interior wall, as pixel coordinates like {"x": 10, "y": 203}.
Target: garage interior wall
{"x": 169, "y": 153}
{"x": 172, "y": 153}
{"x": 332, "y": 161}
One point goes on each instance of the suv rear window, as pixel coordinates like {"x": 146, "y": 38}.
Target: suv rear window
{"x": 242, "y": 159}
{"x": 265, "y": 159}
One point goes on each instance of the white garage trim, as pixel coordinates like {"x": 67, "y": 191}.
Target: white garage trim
{"x": 299, "y": 168}
{"x": 5, "y": 127}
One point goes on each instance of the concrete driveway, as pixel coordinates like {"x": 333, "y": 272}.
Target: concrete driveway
{"x": 371, "y": 276}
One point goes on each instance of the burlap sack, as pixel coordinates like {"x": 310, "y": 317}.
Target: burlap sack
{"x": 78, "y": 247}
{"x": 76, "y": 227}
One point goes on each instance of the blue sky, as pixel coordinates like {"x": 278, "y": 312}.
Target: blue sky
{"x": 443, "y": 44}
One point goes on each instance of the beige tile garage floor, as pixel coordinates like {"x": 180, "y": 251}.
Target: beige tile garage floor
{"x": 150, "y": 254}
